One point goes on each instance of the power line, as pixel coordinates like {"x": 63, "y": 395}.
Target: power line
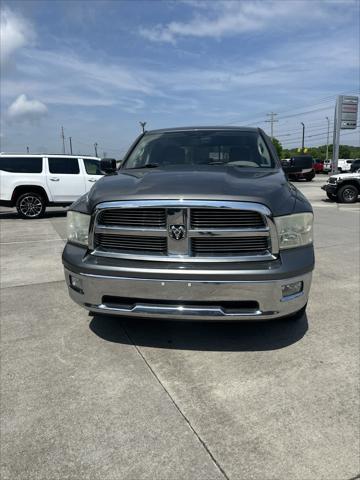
{"x": 316, "y": 102}
{"x": 324, "y": 135}
{"x": 318, "y": 132}
{"x": 290, "y": 133}
{"x": 307, "y": 112}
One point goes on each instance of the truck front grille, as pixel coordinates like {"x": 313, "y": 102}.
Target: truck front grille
{"x": 130, "y": 217}
{"x": 131, "y": 243}
{"x": 184, "y": 231}
{"x": 222, "y": 218}
{"x": 229, "y": 246}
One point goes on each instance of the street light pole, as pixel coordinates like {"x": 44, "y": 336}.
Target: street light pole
{"x": 327, "y": 141}
{"x": 70, "y": 145}
{"x": 95, "y": 148}
{"x": 303, "y": 137}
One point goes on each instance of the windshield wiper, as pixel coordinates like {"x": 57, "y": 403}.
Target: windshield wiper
{"x": 148, "y": 165}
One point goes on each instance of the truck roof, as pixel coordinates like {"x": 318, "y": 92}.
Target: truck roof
{"x": 196, "y": 128}
{"x": 47, "y": 155}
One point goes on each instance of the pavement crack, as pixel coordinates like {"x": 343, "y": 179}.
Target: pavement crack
{"x": 202, "y": 442}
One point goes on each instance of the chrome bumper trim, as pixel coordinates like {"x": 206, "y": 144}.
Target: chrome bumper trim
{"x": 268, "y": 294}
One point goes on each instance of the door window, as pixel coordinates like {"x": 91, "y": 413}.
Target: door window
{"x": 64, "y": 165}
{"x": 92, "y": 167}
{"x": 21, "y": 164}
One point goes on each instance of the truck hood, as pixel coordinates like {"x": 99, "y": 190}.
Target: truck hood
{"x": 269, "y": 188}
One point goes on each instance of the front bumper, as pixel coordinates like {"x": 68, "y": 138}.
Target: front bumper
{"x": 330, "y": 188}
{"x": 255, "y": 292}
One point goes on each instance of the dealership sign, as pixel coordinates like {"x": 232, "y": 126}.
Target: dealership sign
{"x": 347, "y": 111}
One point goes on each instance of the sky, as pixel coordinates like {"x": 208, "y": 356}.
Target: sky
{"x": 97, "y": 68}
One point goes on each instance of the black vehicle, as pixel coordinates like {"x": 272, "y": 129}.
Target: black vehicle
{"x": 198, "y": 223}
{"x": 305, "y": 173}
{"x": 343, "y": 187}
{"x": 355, "y": 166}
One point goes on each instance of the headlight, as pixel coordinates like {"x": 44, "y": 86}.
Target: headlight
{"x": 78, "y": 227}
{"x": 295, "y": 230}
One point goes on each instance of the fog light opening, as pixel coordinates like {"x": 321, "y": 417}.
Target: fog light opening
{"x": 290, "y": 289}
{"x": 76, "y": 284}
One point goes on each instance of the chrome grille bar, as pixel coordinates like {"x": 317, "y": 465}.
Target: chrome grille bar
{"x": 209, "y": 218}
{"x": 216, "y": 231}
{"x": 229, "y": 246}
{"x": 146, "y": 217}
{"x": 131, "y": 243}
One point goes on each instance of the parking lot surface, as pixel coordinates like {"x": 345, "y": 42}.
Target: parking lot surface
{"x": 99, "y": 398}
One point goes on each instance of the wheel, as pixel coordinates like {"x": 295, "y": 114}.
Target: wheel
{"x": 30, "y": 205}
{"x": 348, "y": 194}
{"x": 331, "y": 196}
{"x": 309, "y": 176}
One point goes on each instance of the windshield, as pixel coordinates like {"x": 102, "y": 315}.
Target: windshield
{"x": 239, "y": 148}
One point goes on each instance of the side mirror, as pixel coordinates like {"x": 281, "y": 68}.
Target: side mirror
{"x": 108, "y": 165}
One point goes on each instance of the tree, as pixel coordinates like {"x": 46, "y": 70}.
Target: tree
{"x": 277, "y": 146}
{"x": 345, "y": 151}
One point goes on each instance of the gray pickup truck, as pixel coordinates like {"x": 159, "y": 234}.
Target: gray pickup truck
{"x": 197, "y": 223}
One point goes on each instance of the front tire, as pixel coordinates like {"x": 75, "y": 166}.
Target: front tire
{"x": 331, "y": 196}
{"x": 309, "y": 176}
{"x": 30, "y": 205}
{"x": 348, "y": 194}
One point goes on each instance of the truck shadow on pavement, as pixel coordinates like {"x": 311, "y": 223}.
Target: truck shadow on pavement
{"x": 202, "y": 336}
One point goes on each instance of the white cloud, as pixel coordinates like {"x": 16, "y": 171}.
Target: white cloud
{"x": 15, "y": 33}
{"x": 228, "y": 17}
{"x": 23, "y": 109}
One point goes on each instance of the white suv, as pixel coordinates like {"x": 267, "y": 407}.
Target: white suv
{"x": 32, "y": 182}
{"x": 344, "y": 165}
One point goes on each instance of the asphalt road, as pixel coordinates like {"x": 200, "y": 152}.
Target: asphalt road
{"x": 85, "y": 398}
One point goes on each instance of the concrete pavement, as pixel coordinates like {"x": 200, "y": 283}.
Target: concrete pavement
{"x": 98, "y": 398}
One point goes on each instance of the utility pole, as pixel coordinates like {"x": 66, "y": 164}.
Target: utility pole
{"x": 63, "y": 139}
{"x": 303, "y": 137}
{"x": 272, "y": 120}
{"x": 143, "y": 126}
{"x": 27, "y": 150}
{"x": 336, "y": 136}
{"x": 95, "y": 148}
{"x": 327, "y": 141}
{"x": 70, "y": 145}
